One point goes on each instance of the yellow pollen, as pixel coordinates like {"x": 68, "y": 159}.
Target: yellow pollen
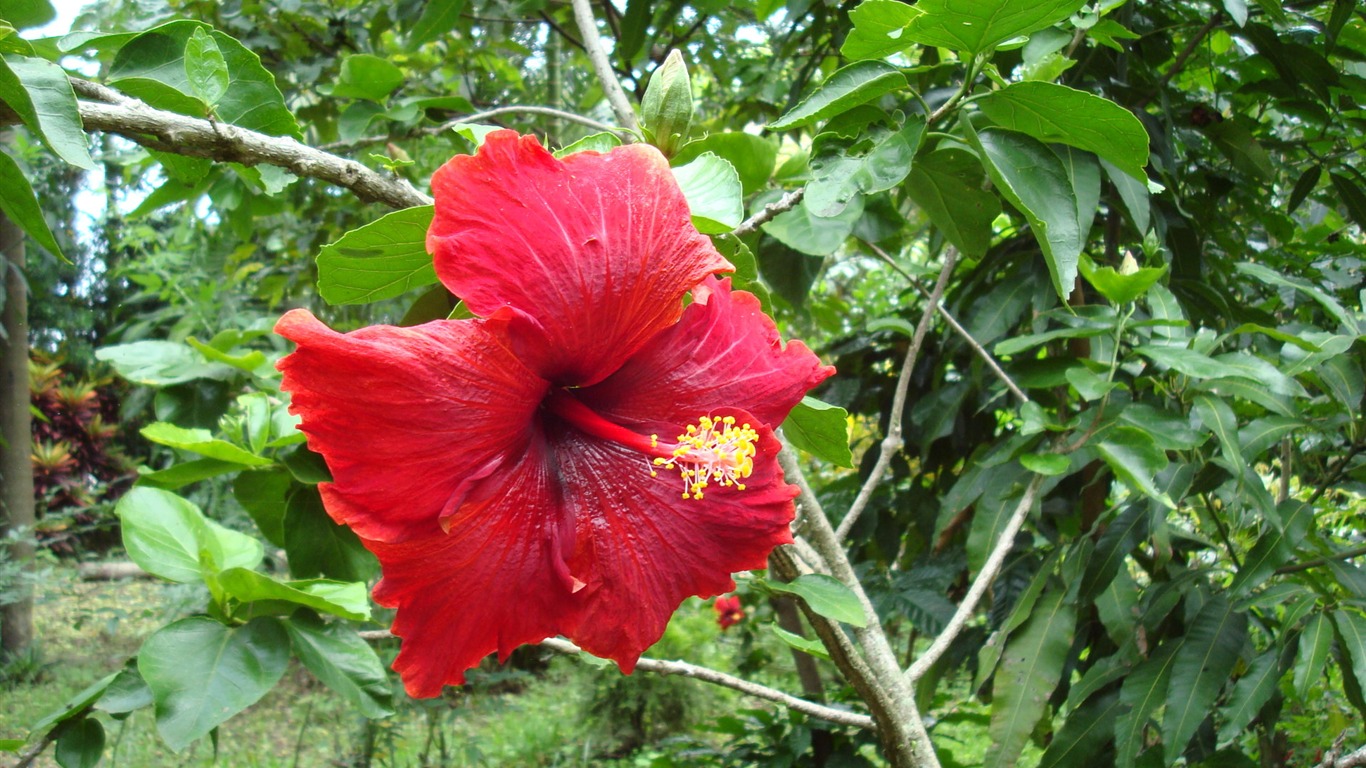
{"x": 712, "y": 451}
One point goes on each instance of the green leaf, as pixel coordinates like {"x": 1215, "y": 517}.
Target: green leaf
{"x": 1351, "y": 196}
{"x": 1057, "y": 191}
{"x": 1188, "y": 362}
{"x": 1315, "y": 643}
{"x": 948, "y": 184}
{"x": 380, "y": 260}
{"x": 24, "y": 14}
{"x": 202, "y": 442}
{"x": 1303, "y": 186}
{"x": 842, "y": 168}
{"x": 1252, "y": 690}
{"x": 1118, "y": 287}
{"x": 81, "y": 744}
{"x": 127, "y": 692}
{"x": 879, "y": 29}
{"x": 1144, "y": 690}
{"x": 1204, "y": 663}
{"x": 186, "y": 472}
{"x": 858, "y": 83}
{"x": 201, "y": 673}
{"x": 752, "y": 156}
{"x": 438, "y": 17}
{"x": 1112, "y": 548}
{"x": 1342, "y": 378}
{"x": 804, "y": 644}
{"x": 973, "y": 26}
{"x": 20, "y": 206}
{"x": 1219, "y": 418}
{"x": 1050, "y": 464}
{"x": 262, "y": 495}
{"x": 1351, "y": 625}
{"x": 346, "y": 599}
{"x": 344, "y": 662}
{"x": 366, "y": 76}
{"x": 1030, "y": 669}
{"x": 594, "y": 142}
{"x": 1274, "y": 548}
{"x": 1134, "y": 457}
{"x": 989, "y": 656}
{"x": 317, "y": 546}
{"x": 1133, "y": 193}
{"x": 161, "y": 363}
{"x": 1002, "y": 494}
{"x": 152, "y": 67}
{"x": 205, "y": 68}
{"x": 1261, "y": 434}
{"x": 1022, "y": 343}
{"x": 804, "y": 231}
{"x": 74, "y": 706}
{"x": 1085, "y": 733}
{"x": 712, "y": 188}
{"x": 40, "y": 92}
{"x": 165, "y": 535}
{"x": 821, "y": 430}
{"x": 1272, "y": 277}
{"x": 826, "y": 596}
{"x": 1054, "y": 113}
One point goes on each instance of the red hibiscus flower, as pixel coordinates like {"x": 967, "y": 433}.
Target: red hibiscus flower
{"x": 583, "y": 456}
{"x": 728, "y": 611}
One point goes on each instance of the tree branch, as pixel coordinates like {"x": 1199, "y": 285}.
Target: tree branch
{"x": 771, "y": 210}
{"x": 1346, "y": 554}
{"x": 892, "y": 442}
{"x": 1334, "y": 758}
{"x": 611, "y": 87}
{"x": 707, "y": 675}
{"x": 171, "y": 132}
{"x": 979, "y": 585}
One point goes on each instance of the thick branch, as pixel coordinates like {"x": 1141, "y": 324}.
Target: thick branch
{"x": 592, "y": 43}
{"x": 979, "y": 585}
{"x": 892, "y": 442}
{"x": 1334, "y": 758}
{"x": 683, "y": 668}
{"x": 171, "y": 132}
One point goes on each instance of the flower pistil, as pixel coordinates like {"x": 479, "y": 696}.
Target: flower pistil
{"x": 711, "y": 450}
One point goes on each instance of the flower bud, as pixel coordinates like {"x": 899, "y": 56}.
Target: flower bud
{"x": 668, "y": 104}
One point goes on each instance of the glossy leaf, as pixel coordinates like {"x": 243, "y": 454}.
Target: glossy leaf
{"x": 875, "y": 162}
{"x": 821, "y": 430}
{"x": 1085, "y": 733}
{"x": 1119, "y": 539}
{"x": 1316, "y": 641}
{"x": 804, "y": 231}
{"x": 20, "y": 206}
{"x": 1118, "y": 286}
{"x": 366, "y": 76}
{"x": 169, "y": 537}
{"x": 1030, "y": 669}
{"x": 336, "y": 655}
{"x": 858, "y": 83}
{"x": 715, "y": 197}
{"x": 202, "y": 442}
{"x": 1054, "y": 113}
{"x": 1135, "y": 458}
{"x": 318, "y": 547}
{"x": 380, "y": 260}
{"x": 879, "y": 29}
{"x": 824, "y": 595}
{"x": 804, "y": 644}
{"x": 262, "y": 494}
{"x": 161, "y": 363}
{"x": 973, "y": 26}
{"x": 948, "y": 184}
{"x": 1219, "y": 418}
{"x": 40, "y": 92}
{"x": 81, "y": 744}
{"x": 1252, "y": 690}
{"x": 753, "y": 157}
{"x": 201, "y": 673}
{"x": 1144, "y": 691}
{"x": 1204, "y": 663}
{"x": 1351, "y": 626}
{"x": 348, "y": 600}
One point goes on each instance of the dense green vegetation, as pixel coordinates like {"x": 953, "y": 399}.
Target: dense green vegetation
{"x": 1087, "y": 488}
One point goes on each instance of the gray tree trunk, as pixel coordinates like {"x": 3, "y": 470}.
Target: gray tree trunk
{"x": 16, "y": 470}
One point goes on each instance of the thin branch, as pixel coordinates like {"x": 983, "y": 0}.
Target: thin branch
{"x": 979, "y": 585}
{"x": 1346, "y": 554}
{"x": 892, "y": 442}
{"x": 1180, "y": 62}
{"x": 611, "y": 87}
{"x": 957, "y": 327}
{"x": 171, "y": 132}
{"x": 342, "y": 146}
{"x": 787, "y": 203}
{"x": 707, "y": 675}
{"x": 1334, "y": 758}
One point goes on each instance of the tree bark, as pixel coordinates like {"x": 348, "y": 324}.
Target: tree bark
{"x": 16, "y": 471}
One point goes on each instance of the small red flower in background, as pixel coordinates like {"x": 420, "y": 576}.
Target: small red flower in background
{"x": 585, "y": 454}
{"x": 728, "y": 611}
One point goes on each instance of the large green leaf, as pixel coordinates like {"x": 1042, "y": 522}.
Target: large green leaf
{"x": 1271, "y": 277}
{"x": 169, "y": 537}
{"x": 1057, "y": 190}
{"x": 714, "y": 194}
{"x": 752, "y": 156}
{"x": 948, "y": 185}
{"x": 366, "y": 76}
{"x": 858, "y": 83}
{"x": 973, "y": 26}
{"x": 81, "y": 744}
{"x": 1120, "y": 286}
{"x": 1136, "y": 459}
{"x": 346, "y": 599}
{"x": 1275, "y": 547}
{"x": 1208, "y": 655}
{"x": 821, "y": 430}
{"x": 201, "y": 673}
{"x": 20, "y": 206}
{"x": 152, "y": 67}
{"x": 1030, "y": 669}
{"x": 380, "y": 260}
{"x": 161, "y": 363}
{"x": 202, "y": 442}
{"x": 40, "y": 92}
{"x": 1315, "y": 644}
{"x": 1219, "y": 418}
{"x": 879, "y": 29}
{"x": 1055, "y": 113}
{"x": 438, "y": 17}
{"x": 1004, "y": 488}
{"x": 1114, "y": 545}
{"x": 1351, "y": 625}
{"x": 825, "y": 595}
{"x": 336, "y": 655}
{"x": 1087, "y": 730}
{"x": 1251, "y": 691}
{"x": 1144, "y": 690}
{"x": 317, "y": 546}
{"x": 804, "y": 231}
{"x": 262, "y": 494}
{"x": 877, "y": 161}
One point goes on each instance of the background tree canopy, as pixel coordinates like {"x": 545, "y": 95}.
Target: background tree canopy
{"x": 1087, "y": 488}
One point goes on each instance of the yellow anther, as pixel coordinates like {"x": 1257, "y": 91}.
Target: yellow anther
{"x": 713, "y": 451}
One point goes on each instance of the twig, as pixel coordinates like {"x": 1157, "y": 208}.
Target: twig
{"x": 892, "y": 442}
{"x": 707, "y": 675}
{"x": 193, "y": 137}
{"x": 1180, "y": 62}
{"x": 990, "y": 569}
{"x": 787, "y": 203}
{"x": 1346, "y": 554}
{"x": 592, "y": 42}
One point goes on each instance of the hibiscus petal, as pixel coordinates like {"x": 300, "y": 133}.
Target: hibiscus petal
{"x": 408, "y": 419}
{"x": 590, "y": 254}
{"x": 643, "y": 549}
{"x": 723, "y": 353}
{"x": 498, "y": 580}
